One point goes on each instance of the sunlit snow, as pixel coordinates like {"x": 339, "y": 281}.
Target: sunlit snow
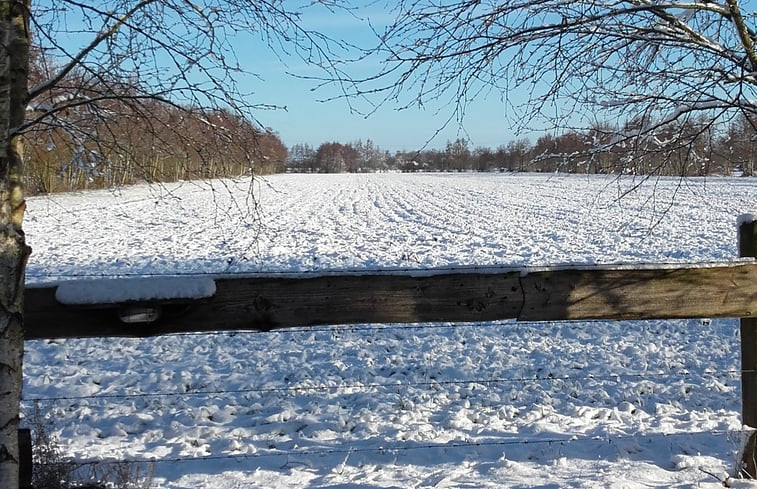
{"x": 578, "y": 404}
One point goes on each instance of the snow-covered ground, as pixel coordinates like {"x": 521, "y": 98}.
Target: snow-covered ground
{"x": 503, "y": 404}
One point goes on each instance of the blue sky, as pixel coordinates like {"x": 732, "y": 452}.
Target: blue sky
{"x": 281, "y": 80}
{"x": 308, "y": 119}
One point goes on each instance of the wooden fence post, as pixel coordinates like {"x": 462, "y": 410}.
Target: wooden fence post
{"x": 25, "y": 458}
{"x": 748, "y": 248}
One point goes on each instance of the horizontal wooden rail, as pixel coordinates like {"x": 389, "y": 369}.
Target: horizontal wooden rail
{"x": 268, "y": 303}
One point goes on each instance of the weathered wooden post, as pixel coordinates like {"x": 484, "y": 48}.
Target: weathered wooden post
{"x": 25, "y": 458}
{"x": 748, "y": 248}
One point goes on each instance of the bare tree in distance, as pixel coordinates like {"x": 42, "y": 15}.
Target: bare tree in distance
{"x": 649, "y": 67}
{"x": 84, "y": 72}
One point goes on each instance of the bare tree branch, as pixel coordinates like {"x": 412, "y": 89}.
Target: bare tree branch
{"x": 76, "y": 61}
{"x": 659, "y": 62}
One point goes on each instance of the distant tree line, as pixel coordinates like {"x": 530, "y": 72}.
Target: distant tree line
{"x": 333, "y": 157}
{"x": 159, "y": 142}
{"x": 143, "y": 151}
{"x": 685, "y": 149}
{"x": 91, "y": 141}
{"x": 147, "y": 149}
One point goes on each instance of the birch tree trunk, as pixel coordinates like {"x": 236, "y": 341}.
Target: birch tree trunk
{"x": 14, "y": 65}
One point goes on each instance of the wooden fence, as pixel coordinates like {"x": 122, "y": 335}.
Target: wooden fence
{"x": 567, "y": 293}
{"x": 264, "y": 304}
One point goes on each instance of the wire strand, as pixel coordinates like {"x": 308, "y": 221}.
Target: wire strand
{"x": 402, "y": 448}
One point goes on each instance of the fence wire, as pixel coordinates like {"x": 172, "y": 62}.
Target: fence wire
{"x": 396, "y": 448}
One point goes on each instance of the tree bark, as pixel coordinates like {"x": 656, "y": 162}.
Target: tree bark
{"x": 14, "y": 65}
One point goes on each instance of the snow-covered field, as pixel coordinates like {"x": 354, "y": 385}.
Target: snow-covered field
{"x": 503, "y": 404}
